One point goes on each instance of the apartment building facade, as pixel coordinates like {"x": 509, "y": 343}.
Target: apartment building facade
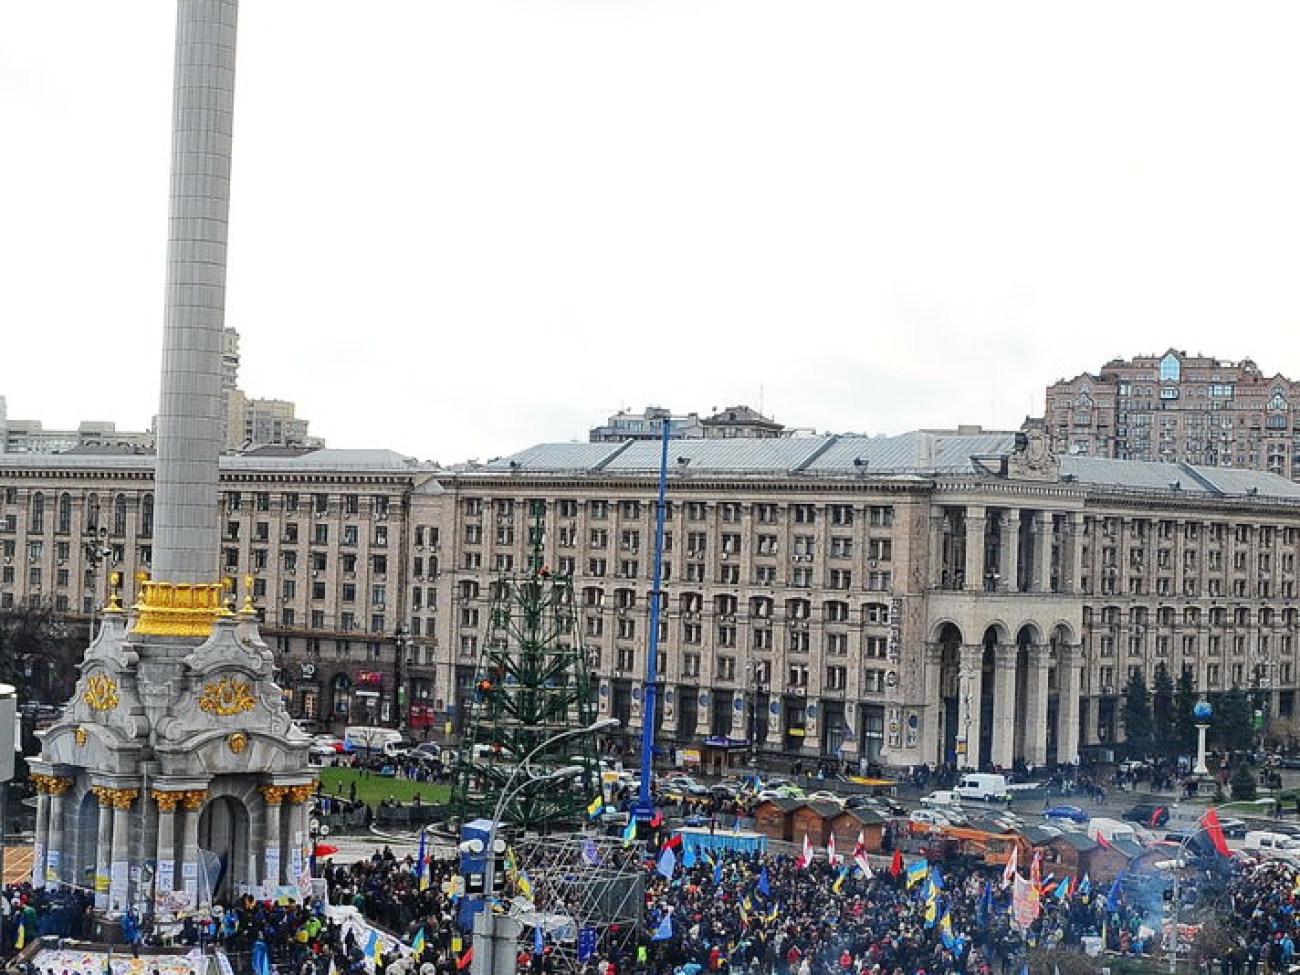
{"x": 936, "y": 596}
{"x": 1175, "y": 407}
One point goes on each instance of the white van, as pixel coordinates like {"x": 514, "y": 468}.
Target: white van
{"x": 371, "y": 740}
{"x": 1108, "y": 829}
{"x": 983, "y": 785}
{"x": 1272, "y": 845}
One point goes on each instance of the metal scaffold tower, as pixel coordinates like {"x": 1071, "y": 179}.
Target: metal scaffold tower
{"x": 580, "y": 883}
{"x": 532, "y": 697}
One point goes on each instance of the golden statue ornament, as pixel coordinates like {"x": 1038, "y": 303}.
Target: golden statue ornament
{"x": 100, "y": 692}
{"x": 227, "y": 696}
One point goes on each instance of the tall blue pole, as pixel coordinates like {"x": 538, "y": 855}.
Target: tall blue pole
{"x": 645, "y": 808}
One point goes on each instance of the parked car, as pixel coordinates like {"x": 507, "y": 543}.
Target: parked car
{"x": 1232, "y": 827}
{"x": 929, "y": 817}
{"x": 1076, "y": 814}
{"x": 941, "y": 799}
{"x": 325, "y": 746}
{"x": 1150, "y": 814}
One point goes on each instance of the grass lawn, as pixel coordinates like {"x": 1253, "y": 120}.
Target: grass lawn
{"x": 373, "y": 787}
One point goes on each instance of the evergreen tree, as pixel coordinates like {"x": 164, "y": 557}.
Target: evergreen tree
{"x": 1162, "y": 713}
{"x": 1136, "y": 713}
{"x": 1242, "y": 783}
{"x": 1232, "y": 728}
{"x": 1185, "y": 698}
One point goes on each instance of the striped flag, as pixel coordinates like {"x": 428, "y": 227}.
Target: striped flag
{"x": 806, "y": 858}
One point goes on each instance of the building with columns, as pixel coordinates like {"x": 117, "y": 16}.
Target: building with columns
{"x": 959, "y": 595}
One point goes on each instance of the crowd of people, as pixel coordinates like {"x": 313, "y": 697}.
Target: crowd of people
{"x": 751, "y": 912}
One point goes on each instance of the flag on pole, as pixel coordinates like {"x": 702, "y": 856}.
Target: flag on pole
{"x": 1062, "y": 889}
{"x": 1112, "y": 899}
{"x": 594, "y": 809}
{"x": 419, "y": 864}
{"x": 1010, "y": 870}
{"x": 764, "y": 883}
{"x": 831, "y": 856}
{"x": 665, "y": 929}
{"x": 1085, "y": 885}
{"x": 839, "y": 880}
{"x": 690, "y": 857}
{"x": 860, "y": 855}
{"x": 629, "y": 831}
{"x": 916, "y": 872}
{"x": 417, "y": 943}
{"x": 667, "y": 862}
{"x": 896, "y": 864}
{"x": 539, "y": 940}
{"x": 589, "y": 851}
{"x": 374, "y": 950}
{"x": 464, "y": 961}
{"x": 806, "y": 858}
{"x": 1215, "y": 830}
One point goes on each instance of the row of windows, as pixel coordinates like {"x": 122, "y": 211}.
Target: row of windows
{"x": 877, "y": 516}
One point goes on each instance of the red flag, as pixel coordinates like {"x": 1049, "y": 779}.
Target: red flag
{"x": 674, "y": 840}
{"x": 896, "y": 864}
{"x": 465, "y": 959}
{"x": 658, "y": 818}
{"x": 1212, "y": 826}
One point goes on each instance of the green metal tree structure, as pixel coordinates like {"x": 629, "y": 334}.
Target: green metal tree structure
{"x": 532, "y": 686}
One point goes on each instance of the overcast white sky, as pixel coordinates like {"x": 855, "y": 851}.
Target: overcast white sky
{"x": 459, "y": 229}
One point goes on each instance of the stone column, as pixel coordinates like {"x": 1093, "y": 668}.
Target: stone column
{"x": 1004, "y": 705}
{"x": 1073, "y": 562}
{"x": 968, "y": 710}
{"x": 165, "y": 871}
{"x": 932, "y": 726}
{"x": 56, "y": 863}
{"x": 273, "y": 845}
{"x": 42, "y": 839}
{"x": 1035, "y": 728}
{"x": 119, "y": 890}
{"x": 975, "y": 527}
{"x": 193, "y": 799}
{"x": 298, "y": 838}
{"x": 103, "y": 845}
{"x": 1069, "y": 665}
{"x": 936, "y": 549}
{"x": 1041, "y": 578}
{"x": 1010, "y": 553}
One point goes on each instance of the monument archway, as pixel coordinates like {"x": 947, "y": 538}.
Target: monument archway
{"x": 85, "y": 823}
{"x": 223, "y": 834}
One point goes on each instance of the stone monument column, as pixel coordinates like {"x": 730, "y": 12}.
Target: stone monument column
{"x": 298, "y": 837}
{"x": 165, "y": 872}
{"x": 103, "y": 846}
{"x": 119, "y": 876}
{"x": 42, "y": 839}
{"x": 273, "y": 867}
{"x": 193, "y": 800}
{"x": 55, "y": 864}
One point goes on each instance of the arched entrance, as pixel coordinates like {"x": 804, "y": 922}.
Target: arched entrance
{"x": 223, "y": 840}
{"x": 950, "y": 695}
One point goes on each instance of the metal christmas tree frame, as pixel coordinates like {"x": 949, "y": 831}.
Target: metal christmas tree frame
{"x": 532, "y": 686}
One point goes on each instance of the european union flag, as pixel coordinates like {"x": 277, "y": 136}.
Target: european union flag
{"x": 764, "y": 884}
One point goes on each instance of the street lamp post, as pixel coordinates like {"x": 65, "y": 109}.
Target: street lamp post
{"x": 485, "y": 934}
{"x": 1202, "y": 712}
{"x": 401, "y": 641}
{"x": 95, "y": 545}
